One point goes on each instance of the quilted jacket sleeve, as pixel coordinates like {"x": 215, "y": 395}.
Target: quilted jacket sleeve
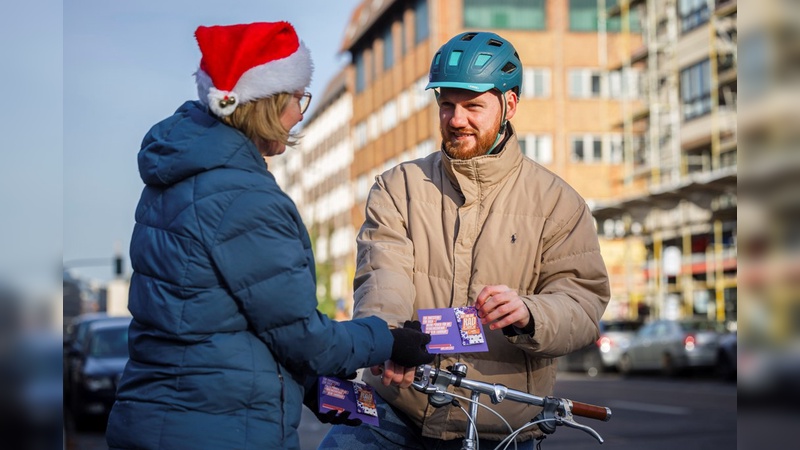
{"x": 263, "y": 253}
{"x": 573, "y": 288}
{"x": 383, "y": 282}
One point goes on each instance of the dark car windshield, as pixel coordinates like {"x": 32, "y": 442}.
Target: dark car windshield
{"x": 700, "y": 325}
{"x": 621, "y": 326}
{"x": 110, "y": 343}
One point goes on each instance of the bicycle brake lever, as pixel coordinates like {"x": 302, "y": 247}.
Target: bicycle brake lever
{"x": 433, "y": 383}
{"x": 422, "y": 379}
{"x": 556, "y": 412}
{"x": 570, "y": 422}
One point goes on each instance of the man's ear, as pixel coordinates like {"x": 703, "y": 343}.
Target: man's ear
{"x": 511, "y": 103}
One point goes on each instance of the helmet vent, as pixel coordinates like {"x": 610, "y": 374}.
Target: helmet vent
{"x": 509, "y": 67}
{"x": 454, "y": 58}
{"x": 495, "y": 43}
{"x": 482, "y": 59}
{"x": 468, "y": 36}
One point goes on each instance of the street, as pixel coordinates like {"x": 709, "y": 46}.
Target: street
{"x": 652, "y": 412}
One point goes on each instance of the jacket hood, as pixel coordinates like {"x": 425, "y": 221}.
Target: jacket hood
{"x": 190, "y": 142}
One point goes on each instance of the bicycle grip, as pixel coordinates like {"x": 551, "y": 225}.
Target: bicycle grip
{"x": 591, "y": 411}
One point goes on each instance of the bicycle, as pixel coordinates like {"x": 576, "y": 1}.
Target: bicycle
{"x": 555, "y": 412}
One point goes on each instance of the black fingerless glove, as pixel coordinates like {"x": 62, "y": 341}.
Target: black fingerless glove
{"x": 333, "y": 417}
{"x": 409, "y": 349}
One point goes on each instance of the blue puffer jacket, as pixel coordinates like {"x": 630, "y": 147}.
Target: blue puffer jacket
{"x": 225, "y": 330}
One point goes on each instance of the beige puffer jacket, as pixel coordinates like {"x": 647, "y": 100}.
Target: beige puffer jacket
{"x": 438, "y": 230}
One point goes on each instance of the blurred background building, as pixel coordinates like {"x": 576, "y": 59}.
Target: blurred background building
{"x": 769, "y": 250}
{"x": 681, "y": 160}
{"x": 82, "y": 296}
{"x": 631, "y": 102}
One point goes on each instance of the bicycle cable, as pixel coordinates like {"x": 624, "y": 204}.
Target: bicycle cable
{"x": 510, "y": 438}
{"x": 508, "y": 425}
{"x": 474, "y": 425}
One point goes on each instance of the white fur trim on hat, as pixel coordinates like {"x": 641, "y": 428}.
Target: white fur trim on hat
{"x": 288, "y": 74}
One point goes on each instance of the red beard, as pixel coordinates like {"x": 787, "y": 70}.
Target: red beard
{"x": 472, "y": 147}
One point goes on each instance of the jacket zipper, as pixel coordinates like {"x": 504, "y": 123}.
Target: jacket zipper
{"x": 283, "y": 403}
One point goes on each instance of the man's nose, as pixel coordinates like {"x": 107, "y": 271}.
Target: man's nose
{"x": 459, "y": 117}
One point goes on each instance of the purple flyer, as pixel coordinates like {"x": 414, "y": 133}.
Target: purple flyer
{"x": 453, "y": 330}
{"x": 345, "y": 395}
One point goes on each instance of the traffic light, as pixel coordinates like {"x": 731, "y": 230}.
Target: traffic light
{"x": 118, "y": 265}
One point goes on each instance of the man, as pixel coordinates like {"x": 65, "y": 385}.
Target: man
{"x": 476, "y": 224}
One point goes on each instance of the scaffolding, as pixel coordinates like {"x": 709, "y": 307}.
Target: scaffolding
{"x": 673, "y": 205}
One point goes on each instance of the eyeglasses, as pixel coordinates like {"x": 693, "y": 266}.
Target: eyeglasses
{"x": 303, "y": 100}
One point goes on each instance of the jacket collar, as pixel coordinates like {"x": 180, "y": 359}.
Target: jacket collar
{"x": 475, "y": 177}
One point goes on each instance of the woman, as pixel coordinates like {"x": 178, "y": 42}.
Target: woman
{"x": 225, "y": 331}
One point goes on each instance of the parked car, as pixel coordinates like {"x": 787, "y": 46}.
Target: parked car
{"x": 603, "y": 354}
{"x": 673, "y": 346}
{"x": 74, "y": 340}
{"x": 76, "y": 327}
{"x": 99, "y": 363}
{"x": 770, "y": 375}
{"x": 727, "y": 357}
{"x": 615, "y": 337}
{"x": 31, "y": 397}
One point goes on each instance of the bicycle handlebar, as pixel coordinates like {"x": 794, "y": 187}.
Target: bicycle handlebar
{"x": 555, "y": 411}
{"x": 590, "y": 411}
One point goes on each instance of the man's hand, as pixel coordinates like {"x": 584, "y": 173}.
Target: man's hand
{"x": 498, "y": 306}
{"x": 393, "y": 373}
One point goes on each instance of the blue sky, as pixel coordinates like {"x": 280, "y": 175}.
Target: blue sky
{"x": 31, "y": 130}
{"x": 117, "y": 68}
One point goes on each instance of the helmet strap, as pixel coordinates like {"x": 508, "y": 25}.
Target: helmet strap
{"x": 502, "y": 131}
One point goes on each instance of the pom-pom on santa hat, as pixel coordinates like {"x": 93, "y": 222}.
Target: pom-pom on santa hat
{"x": 241, "y": 63}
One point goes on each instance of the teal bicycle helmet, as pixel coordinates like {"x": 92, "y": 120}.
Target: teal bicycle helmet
{"x": 477, "y": 61}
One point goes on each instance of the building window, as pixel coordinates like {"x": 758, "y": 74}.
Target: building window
{"x": 584, "y": 15}
{"x": 696, "y": 90}
{"x": 421, "y": 30}
{"x": 360, "y": 71}
{"x": 424, "y": 148}
{"x": 360, "y": 134}
{"x": 623, "y": 84}
{"x": 535, "y": 82}
{"x": 404, "y": 105}
{"x": 388, "y": 49}
{"x": 615, "y": 149}
{"x": 693, "y": 14}
{"x": 372, "y": 65}
{"x": 362, "y": 188}
{"x": 505, "y": 14}
{"x": 389, "y": 115}
{"x": 592, "y": 148}
{"x": 585, "y": 83}
{"x": 373, "y": 126}
{"x": 615, "y": 23}
{"x": 422, "y": 97}
{"x": 538, "y": 148}
{"x": 403, "y": 48}
{"x": 587, "y": 148}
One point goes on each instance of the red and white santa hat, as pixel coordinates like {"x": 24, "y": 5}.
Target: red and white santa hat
{"x": 246, "y": 62}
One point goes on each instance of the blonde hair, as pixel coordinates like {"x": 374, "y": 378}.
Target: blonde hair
{"x": 260, "y": 120}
